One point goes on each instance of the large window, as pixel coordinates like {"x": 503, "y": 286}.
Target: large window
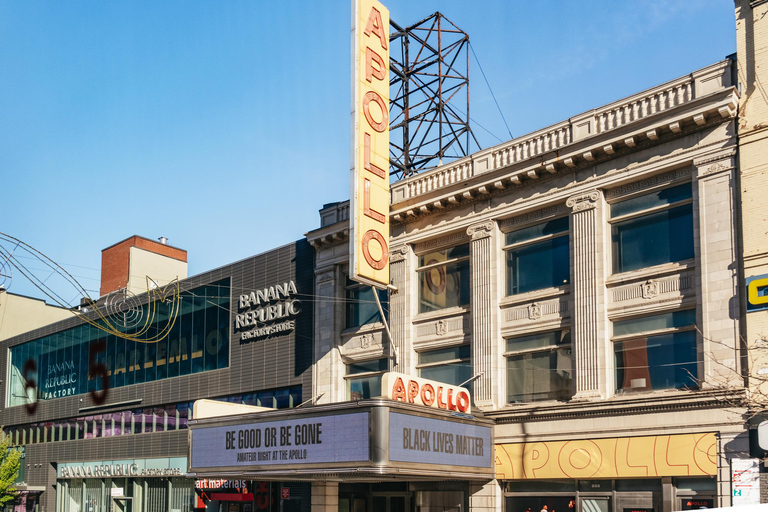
{"x": 652, "y": 229}
{"x": 444, "y": 278}
{"x": 538, "y": 257}
{"x": 656, "y": 352}
{"x": 361, "y": 304}
{"x": 450, "y": 365}
{"x": 364, "y": 378}
{"x": 197, "y": 340}
{"x": 539, "y": 367}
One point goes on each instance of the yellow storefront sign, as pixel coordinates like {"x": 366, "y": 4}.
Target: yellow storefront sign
{"x": 619, "y": 457}
{"x": 369, "y": 227}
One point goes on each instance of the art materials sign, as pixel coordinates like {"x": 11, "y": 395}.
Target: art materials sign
{"x": 369, "y": 196}
{"x": 325, "y": 439}
{"x": 433, "y": 441}
{"x": 429, "y": 393}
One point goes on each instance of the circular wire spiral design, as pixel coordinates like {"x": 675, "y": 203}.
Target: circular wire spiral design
{"x": 124, "y": 308}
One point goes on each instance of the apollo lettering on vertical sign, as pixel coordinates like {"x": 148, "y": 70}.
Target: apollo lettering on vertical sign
{"x": 369, "y": 231}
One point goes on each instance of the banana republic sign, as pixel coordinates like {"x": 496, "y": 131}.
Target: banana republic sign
{"x": 268, "y": 312}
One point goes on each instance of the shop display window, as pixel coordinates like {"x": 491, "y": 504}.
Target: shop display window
{"x": 538, "y": 257}
{"x": 656, "y": 352}
{"x": 451, "y": 365}
{"x": 361, "y": 307}
{"x": 364, "y": 378}
{"x": 444, "y": 278}
{"x": 652, "y": 229}
{"x": 540, "y": 367}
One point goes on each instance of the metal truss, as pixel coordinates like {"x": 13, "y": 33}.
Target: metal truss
{"x": 429, "y": 87}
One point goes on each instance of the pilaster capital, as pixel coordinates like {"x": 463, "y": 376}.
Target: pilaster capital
{"x": 716, "y": 164}
{"x": 324, "y": 274}
{"x": 398, "y": 253}
{"x": 584, "y": 201}
{"x": 479, "y": 231}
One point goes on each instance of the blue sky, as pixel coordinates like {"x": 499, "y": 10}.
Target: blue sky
{"x": 224, "y": 126}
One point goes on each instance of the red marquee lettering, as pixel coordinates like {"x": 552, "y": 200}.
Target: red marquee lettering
{"x": 413, "y": 390}
{"x": 369, "y": 235}
{"x": 371, "y": 72}
{"x": 427, "y": 394}
{"x": 451, "y": 405}
{"x": 440, "y": 402}
{"x": 398, "y": 390}
{"x": 384, "y": 123}
{"x": 378, "y": 171}
{"x": 375, "y": 27}
{"x": 462, "y": 401}
{"x": 367, "y": 210}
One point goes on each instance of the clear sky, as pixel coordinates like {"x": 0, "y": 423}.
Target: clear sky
{"x": 224, "y": 125}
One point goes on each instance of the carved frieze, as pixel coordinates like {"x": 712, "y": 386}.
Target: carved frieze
{"x": 659, "y": 179}
{"x": 532, "y": 216}
{"x": 446, "y": 241}
{"x": 652, "y": 288}
{"x": 536, "y": 310}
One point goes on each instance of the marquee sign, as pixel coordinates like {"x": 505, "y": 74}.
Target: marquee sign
{"x": 429, "y": 393}
{"x": 369, "y": 197}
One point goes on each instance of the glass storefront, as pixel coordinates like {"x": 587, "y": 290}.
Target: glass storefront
{"x": 89, "y": 359}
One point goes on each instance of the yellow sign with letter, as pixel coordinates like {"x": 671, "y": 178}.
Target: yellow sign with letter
{"x": 617, "y": 457}
{"x": 369, "y": 227}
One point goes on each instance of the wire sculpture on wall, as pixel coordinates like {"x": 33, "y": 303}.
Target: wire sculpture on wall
{"x": 121, "y": 313}
{"x": 429, "y": 66}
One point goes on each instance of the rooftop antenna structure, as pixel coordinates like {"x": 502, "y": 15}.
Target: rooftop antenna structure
{"x": 429, "y": 95}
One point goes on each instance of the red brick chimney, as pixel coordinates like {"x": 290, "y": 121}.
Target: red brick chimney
{"x": 137, "y": 257}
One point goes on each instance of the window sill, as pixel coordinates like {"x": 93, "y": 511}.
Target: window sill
{"x": 546, "y": 293}
{"x": 352, "y": 331}
{"x": 648, "y": 272}
{"x": 441, "y": 313}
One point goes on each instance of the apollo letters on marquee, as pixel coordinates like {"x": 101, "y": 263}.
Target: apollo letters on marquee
{"x": 369, "y": 228}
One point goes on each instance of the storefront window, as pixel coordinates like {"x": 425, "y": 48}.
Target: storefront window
{"x": 58, "y": 365}
{"x": 364, "y": 378}
{"x": 361, "y": 304}
{"x": 538, "y": 257}
{"x": 652, "y": 229}
{"x": 656, "y": 352}
{"x": 444, "y": 278}
{"x": 540, "y": 367}
{"x": 450, "y": 365}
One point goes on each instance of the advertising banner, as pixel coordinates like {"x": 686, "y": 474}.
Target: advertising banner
{"x": 369, "y": 195}
{"x": 315, "y": 440}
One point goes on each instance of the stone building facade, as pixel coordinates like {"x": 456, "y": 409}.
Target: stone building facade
{"x": 583, "y": 280}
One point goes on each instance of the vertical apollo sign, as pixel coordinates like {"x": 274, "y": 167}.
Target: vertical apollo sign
{"x": 369, "y": 232}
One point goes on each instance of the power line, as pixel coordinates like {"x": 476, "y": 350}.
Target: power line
{"x": 491, "y": 90}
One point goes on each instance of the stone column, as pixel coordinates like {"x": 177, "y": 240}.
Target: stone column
{"x": 325, "y": 497}
{"x": 485, "y": 497}
{"x": 717, "y": 269}
{"x": 483, "y": 282}
{"x": 587, "y": 274}
{"x": 398, "y": 309}
{"x": 329, "y": 369}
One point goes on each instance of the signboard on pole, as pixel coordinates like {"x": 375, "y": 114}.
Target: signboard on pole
{"x": 745, "y": 479}
{"x": 369, "y": 196}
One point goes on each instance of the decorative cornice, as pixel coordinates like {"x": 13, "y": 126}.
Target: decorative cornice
{"x": 584, "y": 201}
{"x": 479, "y": 231}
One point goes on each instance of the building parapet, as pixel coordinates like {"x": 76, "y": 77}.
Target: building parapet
{"x": 565, "y": 144}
